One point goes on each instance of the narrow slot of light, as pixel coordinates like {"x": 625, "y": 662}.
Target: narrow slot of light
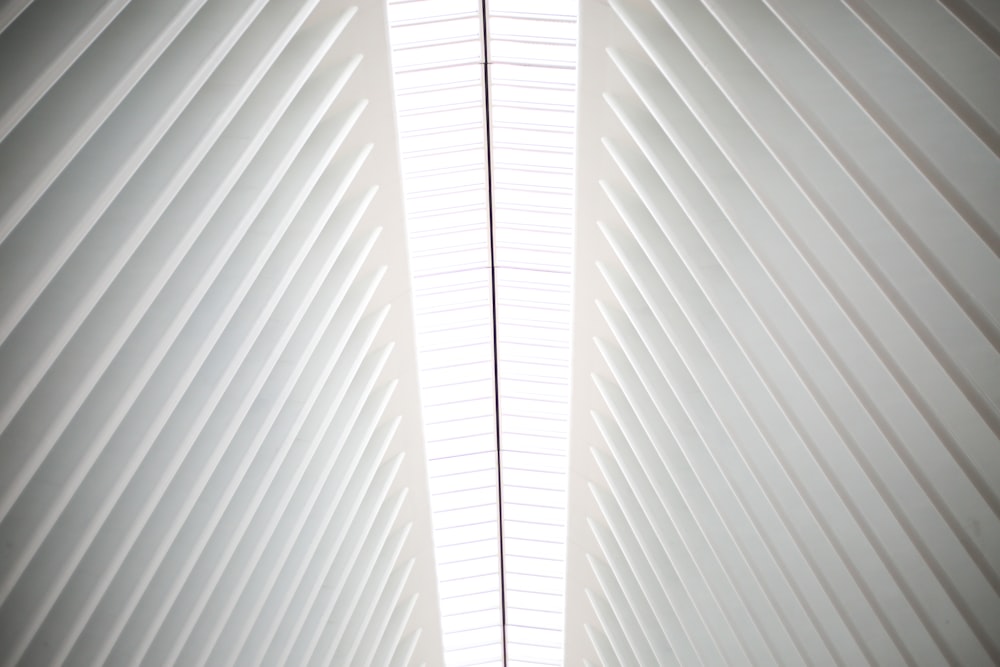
{"x": 437, "y": 59}
{"x": 441, "y": 111}
{"x": 533, "y": 55}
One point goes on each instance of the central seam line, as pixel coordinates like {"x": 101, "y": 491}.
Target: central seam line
{"x": 493, "y": 299}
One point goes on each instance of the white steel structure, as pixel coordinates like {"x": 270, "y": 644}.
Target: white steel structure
{"x": 784, "y": 419}
{"x": 210, "y": 435}
{"x": 786, "y": 403}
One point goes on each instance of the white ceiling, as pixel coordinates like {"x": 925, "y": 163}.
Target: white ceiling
{"x": 785, "y": 409}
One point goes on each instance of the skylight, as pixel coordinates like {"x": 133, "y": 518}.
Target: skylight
{"x": 510, "y": 608}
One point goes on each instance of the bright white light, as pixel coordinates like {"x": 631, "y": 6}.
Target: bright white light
{"x": 437, "y": 52}
{"x": 533, "y": 112}
{"x": 437, "y": 47}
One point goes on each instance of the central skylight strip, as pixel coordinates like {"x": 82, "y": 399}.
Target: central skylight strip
{"x": 437, "y": 57}
{"x": 472, "y": 263}
{"x": 532, "y": 84}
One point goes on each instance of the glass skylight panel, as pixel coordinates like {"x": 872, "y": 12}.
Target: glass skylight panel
{"x": 437, "y": 53}
{"x": 533, "y": 96}
{"x": 437, "y": 57}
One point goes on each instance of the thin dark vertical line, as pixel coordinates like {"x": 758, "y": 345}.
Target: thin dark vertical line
{"x": 493, "y": 304}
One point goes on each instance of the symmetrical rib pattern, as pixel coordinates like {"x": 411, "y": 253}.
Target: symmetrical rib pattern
{"x": 787, "y": 378}
{"x": 210, "y": 446}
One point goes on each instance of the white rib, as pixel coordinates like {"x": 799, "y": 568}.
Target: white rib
{"x": 789, "y": 257}
{"x": 203, "y": 309}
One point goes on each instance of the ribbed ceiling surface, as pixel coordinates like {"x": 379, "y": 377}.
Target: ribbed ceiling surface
{"x": 787, "y": 393}
{"x": 210, "y": 450}
{"x": 785, "y": 425}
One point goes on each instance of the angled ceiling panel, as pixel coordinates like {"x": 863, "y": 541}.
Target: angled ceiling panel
{"x": 210, "y": 442}
{"x": 786, "y": 411}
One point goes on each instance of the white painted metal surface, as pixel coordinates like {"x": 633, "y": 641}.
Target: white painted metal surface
{"x": 209, "y": 428}
{"x": 786, "y": 416}
{"x": 784, "y": 421}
